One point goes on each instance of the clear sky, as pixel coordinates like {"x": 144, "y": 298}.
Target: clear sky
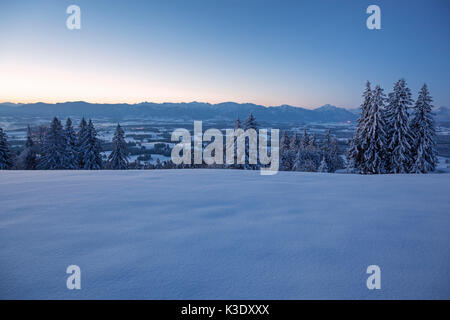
{"x": 304, "y": 53}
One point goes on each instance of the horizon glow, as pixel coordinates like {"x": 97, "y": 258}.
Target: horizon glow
{"x": 271, "y": 53}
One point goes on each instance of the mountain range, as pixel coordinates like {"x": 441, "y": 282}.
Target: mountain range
{"x": 179, "y": 111}
{"x": 227, "y": 111}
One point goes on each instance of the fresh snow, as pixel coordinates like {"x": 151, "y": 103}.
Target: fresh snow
{"x": 223, "y": 234}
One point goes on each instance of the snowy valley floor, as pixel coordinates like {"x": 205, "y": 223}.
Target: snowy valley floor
{"x": 223, "y": 234}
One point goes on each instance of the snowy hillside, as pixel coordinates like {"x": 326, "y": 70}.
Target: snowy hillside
{"x": 219, "y": 234}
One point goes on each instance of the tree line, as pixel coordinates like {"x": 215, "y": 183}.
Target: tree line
{"x": 389, "y": 138}
{"x": 65, "y": 148}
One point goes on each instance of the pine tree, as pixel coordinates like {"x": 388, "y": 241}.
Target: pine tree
{"x": 304, "y": 140}
{"x": 250, "y": 123}
{"x": 91, "y": 149}
{"x": 53, "y": 148}
{"x": 237, "y": 123}
{"x": 70, "y": 160}
{"x": 6, "y": 161}
{"x": 355, "y": 153}
{"x": 323, "y": 166}
{"x": 29, "y": 156}
{"x": 118, "y": 158}
{"x": 399, "y": 142}
{"x": 336, "y": 160}
{"x": 285, "y": 153}
{"x": 373, "y": 136}
{"x": 308, "y": 159}
{"x": 295, "y": 143}
{"x": 81, "y": 137}
{"x": 423, "y": 131}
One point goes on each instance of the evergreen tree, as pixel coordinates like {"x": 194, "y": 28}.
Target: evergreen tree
{"x": 70, "y": 160}
{"x": 355, "y": 153}
{"x": 399, "y": 138}
{"x": 330, "y": 155}
{"x": 423, "y": 131}
{"x": 118, "y": 158}
{"x": 373, "y": 136}
{"x": 29, "y": 156}
{"x": 304, "y": 140}
{"x": 250, "y": 123}
{"x": 323, "y": 166}
{"x": 285, "y": 153}
{"x": 336, "y": 161}
{"x": 308, "y": 159}
{"x": 53, "y": 148}
{"x": 295, "y": 143}
{"x": 6, "y": 161}
{"x": 81, "y": 137}
{"x": 237, "y": 123}
{"x": 91, "y": 149}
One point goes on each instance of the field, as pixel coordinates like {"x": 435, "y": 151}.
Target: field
{"x": 223, "y": 234}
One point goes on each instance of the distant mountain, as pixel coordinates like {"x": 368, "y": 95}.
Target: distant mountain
{"x": 179, "y": 111}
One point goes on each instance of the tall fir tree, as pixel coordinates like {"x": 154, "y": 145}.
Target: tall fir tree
{"x": 399, "y": 138}
{"x": 91, "y": 149}
{"x": 53, "y": 148}
{"x": 237, "y": 123}
{"x": 6, "y": 161}
{"x": 285, "y": 153}
{"x": 118, "y": 159}
{"x": 336, "y": 161}
{"x": 81, "y": 136}
{"x": 424, "y": 133}
{"x": 373, "y": 136}
{"x": 355, "y": 153}
{"x": 323, "y": 167}
{"x": 304, "y": 140}
{"x": 250, "y": 123}
{"x": 29, "y": 156}
{"x": 294, "y": 143}
{"x": 70, "y": 160}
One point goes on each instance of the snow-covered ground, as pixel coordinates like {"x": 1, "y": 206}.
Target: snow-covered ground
{"x": 223, "y": 234}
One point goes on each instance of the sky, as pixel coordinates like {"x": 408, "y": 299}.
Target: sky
{"x": 303, "y": 53}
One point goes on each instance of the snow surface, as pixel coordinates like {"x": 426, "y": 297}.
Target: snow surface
{"x": 223, "y": 234}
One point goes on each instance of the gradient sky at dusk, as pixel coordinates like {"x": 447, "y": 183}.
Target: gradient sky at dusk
{"x": 302, "y": 53}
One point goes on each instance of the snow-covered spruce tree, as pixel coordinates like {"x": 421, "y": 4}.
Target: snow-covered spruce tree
{"x": 424, "y": 133}
{"x": 323, "y": 166}
{"x": 325, "y": 149}
{"x": 92, "y": 159}
{"x": 399, "y": 138}
{"x": 6, "y": 161}
{"x": 304, "y": 140}
{"x": 285, "y": 153}
{"x": 373, "y": 137}
{"x": 336, "y": 161}
{"x": 118, "y": 159}
{"x": 294, "y": 143}
{"x": 28, "y": 157}
{"x": 237, "y": 123}
{"x": 53, "y": 148}
{"x": 70, "y": 160}
{"x": 250, "y": 123}
{"x": 329, "y": 151}
{"x": 81, "y": 136}
{"x": 355, "y": 153}
{"x": 308, "y": 159}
